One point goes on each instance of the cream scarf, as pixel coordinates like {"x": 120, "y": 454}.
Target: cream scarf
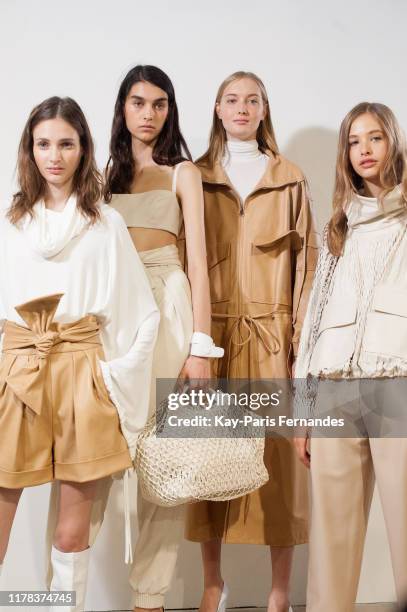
{"x": 369, "y": 214}
{"x": 49, "y": 231}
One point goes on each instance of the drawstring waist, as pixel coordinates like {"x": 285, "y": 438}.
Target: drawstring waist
{"x": 254, "y": 329}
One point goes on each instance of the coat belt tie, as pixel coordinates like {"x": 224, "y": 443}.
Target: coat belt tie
{"x": 251, "y": 327}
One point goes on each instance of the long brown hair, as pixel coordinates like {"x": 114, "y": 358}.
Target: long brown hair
{"x": 217, "y": 139}
{"x": 86, "y": 181}
{"x": 170, "y": 148}
{"x": 347, "y": 181}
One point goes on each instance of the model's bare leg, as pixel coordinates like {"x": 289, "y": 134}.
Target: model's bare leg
{"x": 9, "y": 499}
{"x": 70, "y": 552}
{"x": 281, "y": 563}
{"x": 213, "y": 582}
{"x": 74, "y": 512}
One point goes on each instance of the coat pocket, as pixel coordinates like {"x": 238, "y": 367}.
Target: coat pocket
{"x": 218, "y": 257}
{"x": 337, "y": 334}
{"x": 271, "y": 267}
{"x": 386, "y": 325}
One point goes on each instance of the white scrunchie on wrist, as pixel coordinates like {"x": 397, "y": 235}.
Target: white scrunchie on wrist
{"x": 202, "y": 345}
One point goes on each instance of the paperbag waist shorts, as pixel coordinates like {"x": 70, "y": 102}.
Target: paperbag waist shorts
{"x": 57, "y": 421}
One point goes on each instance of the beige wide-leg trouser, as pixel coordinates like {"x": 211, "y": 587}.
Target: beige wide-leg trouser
{"x": 161, "y": 530}
{"x": 343, "y": 472}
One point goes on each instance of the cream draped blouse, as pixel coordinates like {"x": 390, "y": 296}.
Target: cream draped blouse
{"x": 99, "y": 272}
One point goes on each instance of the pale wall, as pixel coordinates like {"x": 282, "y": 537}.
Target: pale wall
{"x": 317, "y": 59}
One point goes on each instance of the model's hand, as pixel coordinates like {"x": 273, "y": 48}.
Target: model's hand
{"x": 196, "y": 370}
{"x": 301, "y": 446}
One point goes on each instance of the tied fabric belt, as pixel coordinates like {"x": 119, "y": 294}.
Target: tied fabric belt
{"x": 40, "y": 338}
{"x": 242, "y": 331}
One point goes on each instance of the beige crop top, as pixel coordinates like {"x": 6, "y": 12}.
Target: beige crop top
{"x": 156, "y": 206}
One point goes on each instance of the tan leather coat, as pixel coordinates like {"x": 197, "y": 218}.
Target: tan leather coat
{"x": 262, "y": 252}
{"x": 261, "y": 258}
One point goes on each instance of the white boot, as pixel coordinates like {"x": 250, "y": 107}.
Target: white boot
{"x": 223, "y": 598}
{"x": 70, "y": 573}
{"x": 1, "y": 567}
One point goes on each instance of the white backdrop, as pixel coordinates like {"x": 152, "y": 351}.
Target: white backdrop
{"x": 317, "y": 60}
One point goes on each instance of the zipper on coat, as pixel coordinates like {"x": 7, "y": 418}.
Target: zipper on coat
{"x": 240, "y": 244}
{"x": 240, "y": 259}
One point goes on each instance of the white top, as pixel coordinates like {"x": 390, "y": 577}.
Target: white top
{"x": 366, "y": 308}
{"x": 98, "y": 270}
{"x": 244, "y": 164}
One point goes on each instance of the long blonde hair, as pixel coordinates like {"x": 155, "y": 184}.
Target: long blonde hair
{"x": 217, "y": 139}
{"x": 347, "y": 181}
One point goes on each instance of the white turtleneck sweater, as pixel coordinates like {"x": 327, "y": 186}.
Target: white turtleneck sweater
{"x": 364, "y": 296}
{"x": 244, "y": 164}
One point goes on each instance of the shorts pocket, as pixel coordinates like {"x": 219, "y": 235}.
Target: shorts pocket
{"x": 7, "y": 363}
{"x": 99, "y": 386}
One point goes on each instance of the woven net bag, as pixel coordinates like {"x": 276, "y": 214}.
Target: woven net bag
{"x": 173, "y": 471}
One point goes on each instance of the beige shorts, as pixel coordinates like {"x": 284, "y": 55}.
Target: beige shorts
{"x": 57, "y": 421}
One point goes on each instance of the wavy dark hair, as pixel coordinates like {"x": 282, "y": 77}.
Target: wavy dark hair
{"x": 170, "y": 148}
{"x": 87, "y": 182}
